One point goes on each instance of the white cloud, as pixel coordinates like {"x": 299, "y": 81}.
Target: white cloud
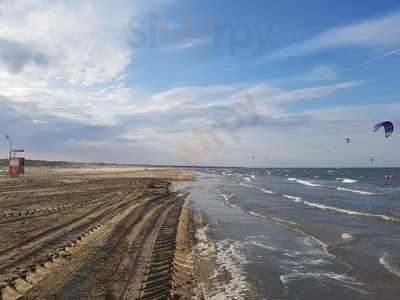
{"x": 261, "y": 93}
{"x": 382, "y": 33}
{"x": 83, "y": 42}
{"x": 377, "y": 58}
{"x": 322, "y": 73}
{"x": 186, "y": 43}
{"x": 315, "y": 92}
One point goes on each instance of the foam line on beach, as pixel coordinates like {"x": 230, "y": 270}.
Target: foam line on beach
{"x": 230, "y": 258}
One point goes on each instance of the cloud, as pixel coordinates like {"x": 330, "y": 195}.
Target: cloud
{"x": 80, "y": 42}
{"x": 320, "y": 73}
{"x": 62, "y": 90}
{"x": 220, "y": 112}
{"x": 315, "y": 92}
{"x": 112, "y": 105}
{"x": 123, "y": 125}
{"x": 15, "y": 56}
{"x": 208, "y": 97}
{"x": 377, "y": 58}
{"x": 186, "y": 43}
{"x": 382, "y": 33}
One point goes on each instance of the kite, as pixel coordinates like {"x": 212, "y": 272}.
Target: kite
{"x": 348, "y": 140}
{"x": 389, "y": 177}
{"x": 388, "y": 126}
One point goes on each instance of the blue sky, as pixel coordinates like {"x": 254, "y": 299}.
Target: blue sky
{"x": 201, "y": 82}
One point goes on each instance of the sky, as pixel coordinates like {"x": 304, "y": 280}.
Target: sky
{"x": 225, "y": 83}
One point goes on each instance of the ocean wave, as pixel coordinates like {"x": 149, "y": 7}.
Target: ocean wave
{"x": 304, "y": 182}
{"x": 248, "y": 179}
{"x": 267, "y": 191}
{"x": 342, "y": 210}
{"x": 345, "y": 280}
{"x": 346, "y": 180}
{"x": 287, "y": 224}
{"x": 261, "y": 245}
{"x": 389, "y": 265}
{"x": 295, "y": 199}
{"x": 316, "y": 262}
{"x": 256, "y": 187}
{"x": 247, "y": 185}
{"x": 355, "y": 191}
{"x": 278, "y": 220}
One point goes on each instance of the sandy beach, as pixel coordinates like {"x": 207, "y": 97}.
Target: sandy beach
{"x": 101, "y": 233}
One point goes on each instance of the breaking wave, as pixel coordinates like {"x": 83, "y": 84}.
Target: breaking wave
{"x": 247, "y": 185}
{"x": 346, "y": 180}
{"x": 343, "y": 180}
{"x": 261, "y": 245}
{"x": 267, "y": 191}
{"x": 257, "y": 187}
{"x": 342, "y": 210}
{"x": 256, "y": 214}
{"x": 295, "y": 199}
{"x": 304, "y": 182}
{"x": 355, "y": 191}
{"x": 248, "y": 179}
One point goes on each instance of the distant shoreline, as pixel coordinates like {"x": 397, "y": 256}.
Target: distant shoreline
{"x": 72, "y": 164}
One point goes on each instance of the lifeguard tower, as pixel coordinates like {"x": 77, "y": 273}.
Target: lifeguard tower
{"x": 16, "y": 165}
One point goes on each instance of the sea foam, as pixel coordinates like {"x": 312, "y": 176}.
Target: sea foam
{"x": 304, "y": 182}
{"x": 346, "y": 180}
{"x": 355, "y": 191}
{"x": 389, "y": 265}
{"x": 231, "y": 259}
{"x": 342, "y": 210}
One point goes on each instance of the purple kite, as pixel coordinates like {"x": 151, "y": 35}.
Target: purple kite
{"x": 388, "y": 128}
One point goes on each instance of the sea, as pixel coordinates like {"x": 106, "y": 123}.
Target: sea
{"x": 303, "y": 233}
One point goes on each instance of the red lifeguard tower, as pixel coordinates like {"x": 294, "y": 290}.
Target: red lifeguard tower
{"x": 16, "y": 165}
